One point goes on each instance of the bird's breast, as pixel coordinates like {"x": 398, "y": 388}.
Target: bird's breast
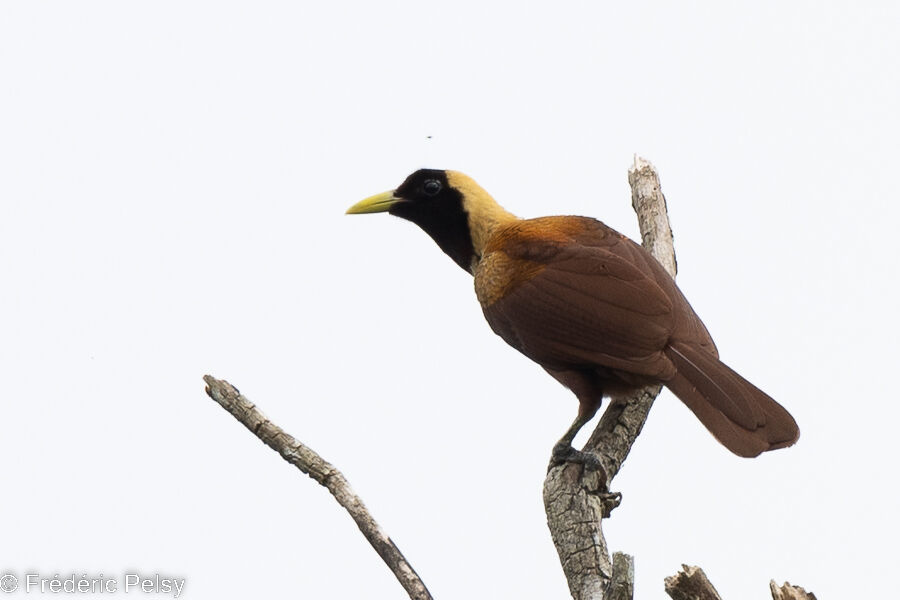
{"x": 497, "y": 274}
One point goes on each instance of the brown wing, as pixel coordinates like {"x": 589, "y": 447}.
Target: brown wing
{"x": 572, "y": 304}
{"x": 688, "y": 327}
{"x": 576, "y": 296}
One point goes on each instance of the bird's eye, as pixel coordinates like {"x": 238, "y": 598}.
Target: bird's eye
{"x": 431, "y": 187}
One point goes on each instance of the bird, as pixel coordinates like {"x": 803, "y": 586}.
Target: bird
{"x": 590, "y": 306}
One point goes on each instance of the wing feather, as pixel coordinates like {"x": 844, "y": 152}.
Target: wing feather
{"x": 587, "y": 305}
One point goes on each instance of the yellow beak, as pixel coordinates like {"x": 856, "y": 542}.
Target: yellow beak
{"x": 374, "y": 204}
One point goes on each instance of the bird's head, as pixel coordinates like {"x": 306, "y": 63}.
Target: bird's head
{"x": 448, "y": 205}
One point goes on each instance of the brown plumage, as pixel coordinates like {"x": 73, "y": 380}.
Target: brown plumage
{"x": 590, "y": 306}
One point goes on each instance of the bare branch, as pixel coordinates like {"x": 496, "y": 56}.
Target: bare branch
{"x": 691, "y": 584}
{"x": 621, "y": 586}
{"x": 308, "y": 461}
{"x": 789, "y": 592}
{"x": 576, "y": 500}
{"x": 653, "y": 218}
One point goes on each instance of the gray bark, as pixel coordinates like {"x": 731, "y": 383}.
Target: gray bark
{"x": 789, "y": 592}
{"x": 691, "y": 584}
{"x": 320, "y": 470}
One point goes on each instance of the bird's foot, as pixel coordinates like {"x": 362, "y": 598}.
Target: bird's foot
{"x": 565, "y": 453}
{"x": 594, "y": 476}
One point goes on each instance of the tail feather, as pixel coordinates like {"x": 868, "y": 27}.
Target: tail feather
{"x": 741, "y": 416}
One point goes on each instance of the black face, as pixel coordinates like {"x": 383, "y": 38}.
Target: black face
{"x": 430, "y": 202}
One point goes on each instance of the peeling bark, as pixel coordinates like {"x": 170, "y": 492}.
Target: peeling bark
{"x": 789, "y": 592}
{"x": 691, "y": 584}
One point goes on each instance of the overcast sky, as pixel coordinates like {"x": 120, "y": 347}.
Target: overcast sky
{"x": 173, "y": 180}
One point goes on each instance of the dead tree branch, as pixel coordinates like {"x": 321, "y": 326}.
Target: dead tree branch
{"x": 789, "y": 592}
{"x": 691, "y": 584}
{"x": 575, "y": 499}
{"x": 308, "y": 461}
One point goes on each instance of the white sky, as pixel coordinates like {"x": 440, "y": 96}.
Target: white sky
{"x": 173, "y": 177}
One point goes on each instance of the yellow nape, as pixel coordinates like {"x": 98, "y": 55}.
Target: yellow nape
{"x": 484, "y": 212}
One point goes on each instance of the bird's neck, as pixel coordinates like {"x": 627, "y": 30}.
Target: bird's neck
{"x": 483, "y": 222}
{"x": 483, "y": 214}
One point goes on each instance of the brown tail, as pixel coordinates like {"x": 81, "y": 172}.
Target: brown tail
{"x": 740, "y": 415}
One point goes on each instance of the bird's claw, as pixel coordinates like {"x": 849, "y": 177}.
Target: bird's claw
{"x": 565, "y": 453}
{"x": 596, "y": 483}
